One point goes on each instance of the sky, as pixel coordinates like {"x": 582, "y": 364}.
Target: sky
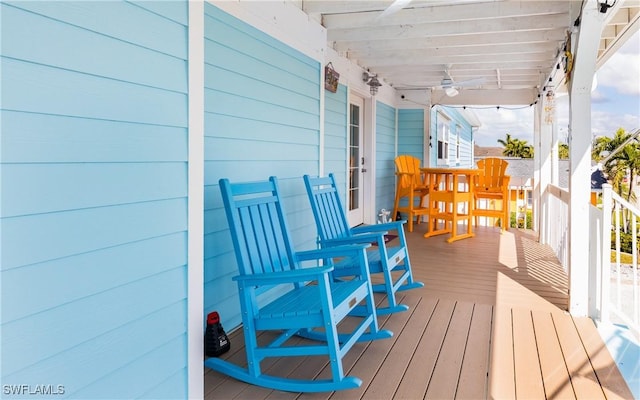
{"x": 615, "y": 103}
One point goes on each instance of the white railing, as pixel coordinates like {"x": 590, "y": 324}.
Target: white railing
{"x": 617, "y": 282}
{"x": 557, "y": 209}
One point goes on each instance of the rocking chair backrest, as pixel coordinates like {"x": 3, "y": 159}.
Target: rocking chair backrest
{"x": 330, "y": 217}
{"x": 258, "y": 226}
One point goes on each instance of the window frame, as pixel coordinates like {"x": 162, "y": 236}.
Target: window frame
{"x": 443, "y": 138}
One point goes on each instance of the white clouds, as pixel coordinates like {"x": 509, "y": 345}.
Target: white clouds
{"x": 615, "y": 103}
{"x": 497, "y": 123}
{"x": 622, "y": 72}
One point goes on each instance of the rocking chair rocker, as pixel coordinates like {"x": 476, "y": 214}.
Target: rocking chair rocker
{"x": 268, "y": 263}
{"x": 333, "y": 229}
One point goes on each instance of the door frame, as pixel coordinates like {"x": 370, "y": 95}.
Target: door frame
{"x": 368, "y": 152}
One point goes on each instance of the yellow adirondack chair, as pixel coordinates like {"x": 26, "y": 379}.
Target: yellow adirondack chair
{"x": 411, "y": 186}
{"x": 491, "y": 192}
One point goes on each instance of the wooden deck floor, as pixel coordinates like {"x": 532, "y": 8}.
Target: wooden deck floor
{"x": 489, "y": 323}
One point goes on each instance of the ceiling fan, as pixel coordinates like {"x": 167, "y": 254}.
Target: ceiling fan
{"x": 451, "y": 87}
{"x": 394, "y": 7}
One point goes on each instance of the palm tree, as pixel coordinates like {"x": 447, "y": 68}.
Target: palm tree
{"x": 514, "y": 147}
{"x": 625, "y": 161}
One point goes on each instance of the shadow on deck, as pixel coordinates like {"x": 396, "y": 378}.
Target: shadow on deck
{"x": 489, "y": 323}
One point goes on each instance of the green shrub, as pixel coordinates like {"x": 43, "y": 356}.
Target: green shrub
{"x": 626, "y": 242}
{"x": 520, "y": 223}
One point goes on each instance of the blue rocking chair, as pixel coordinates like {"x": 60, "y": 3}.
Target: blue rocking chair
{"x": 333, "y": 229}
{"x": 278, "y": 294}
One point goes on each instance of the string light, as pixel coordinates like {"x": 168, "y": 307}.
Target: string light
{"x": 481, "y": 107}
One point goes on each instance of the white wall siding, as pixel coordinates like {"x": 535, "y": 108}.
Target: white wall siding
{"x": 94, "y": 190}
{"x": 262, "y": 118}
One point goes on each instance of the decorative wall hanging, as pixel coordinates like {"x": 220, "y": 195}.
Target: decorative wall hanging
{"x": 331, "y": 77}
{"x": 549, "y": 108}
{"x": 568, "y": 58}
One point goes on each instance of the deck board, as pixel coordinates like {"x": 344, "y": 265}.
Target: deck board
{"x": 444, "y": 381}
{"x": 392, "y": 371}
{"x": 473, "y": 384}
{"x": 555, "y": 376}
{"x": 528, "y": 378}
{"x": 489, "y": 323}
{"x": 583, "y": 378}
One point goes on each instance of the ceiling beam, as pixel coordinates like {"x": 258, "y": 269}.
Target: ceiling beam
{"x": 449, "y": 13}
{"x": 508, "y": 25}
{"x": 498, "y": 97}
{"x": 341, "y": 7}
{"x": 551, "y": 35}
{"x": 469, "y": 51}
{"x": 425, "y": 59}
{"x": 524, "y": 67}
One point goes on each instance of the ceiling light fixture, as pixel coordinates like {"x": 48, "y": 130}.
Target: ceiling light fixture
{"x": 451, "y": 91}
{"x": 372, "y": 81}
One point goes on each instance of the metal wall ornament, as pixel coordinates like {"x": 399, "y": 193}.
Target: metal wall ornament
{"x": 549, "y": 107}
{"x": 331, "y": 78}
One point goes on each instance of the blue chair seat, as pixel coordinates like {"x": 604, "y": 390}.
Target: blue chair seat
{"x": 276, "y": 293}
{"x": 333, "y": 229}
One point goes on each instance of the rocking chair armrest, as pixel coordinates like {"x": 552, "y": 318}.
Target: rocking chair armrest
{"x": 332, "y": 251}
{"x": 354, "y": 239}
{"x": 382, "y": 228}
{"x": 295, "y": 275}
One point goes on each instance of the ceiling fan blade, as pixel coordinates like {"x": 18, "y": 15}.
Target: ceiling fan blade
{"x": 393, "y": 8}
{"x": 470, "y": 82}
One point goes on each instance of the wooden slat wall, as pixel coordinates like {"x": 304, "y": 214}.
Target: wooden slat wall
{"x": 385, "y": 154}
{"x": 335, "y": 136}
{"x": 94, "y": 186}
{"x": 262, "y": 118}
{"x": 411, "y": 133}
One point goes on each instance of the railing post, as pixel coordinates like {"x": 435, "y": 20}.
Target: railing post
{"x": 605, "y": 263}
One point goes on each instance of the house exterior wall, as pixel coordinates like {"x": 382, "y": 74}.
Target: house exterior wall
{"x": 456, "y": 119}
{"x": 411, "y": 132}
{"x": 335, "y": 136}
{"x": 94, "y": 198}
{"x": 386, "y": 123}
{"x": 262, "y": 118}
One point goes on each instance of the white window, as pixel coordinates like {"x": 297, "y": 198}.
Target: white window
{"x": 443, "y": 139}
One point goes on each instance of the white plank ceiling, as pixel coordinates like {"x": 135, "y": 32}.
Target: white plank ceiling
{"x": 495, "y": 52}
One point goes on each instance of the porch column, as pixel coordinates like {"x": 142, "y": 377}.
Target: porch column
{"x": 546, "y": 119}
{"x": 538, "y": 190}
{"x": 585, "y": 49}
{"x": 195, "y": 244}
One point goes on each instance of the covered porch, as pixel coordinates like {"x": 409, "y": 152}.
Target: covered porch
{"x": 491, "y": 322}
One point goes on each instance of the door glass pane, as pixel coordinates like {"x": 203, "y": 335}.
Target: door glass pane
{"x": 354, "y": 157}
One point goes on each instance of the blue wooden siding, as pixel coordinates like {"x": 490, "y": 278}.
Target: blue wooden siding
{"x": 385, "y": 154}
{"x": 335, "y": 137}
{"x": 466, "y": 137}
{"x": 411, "y": 132}
{"x": 262, "y": 118}
{"x": 94, "y": 197}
